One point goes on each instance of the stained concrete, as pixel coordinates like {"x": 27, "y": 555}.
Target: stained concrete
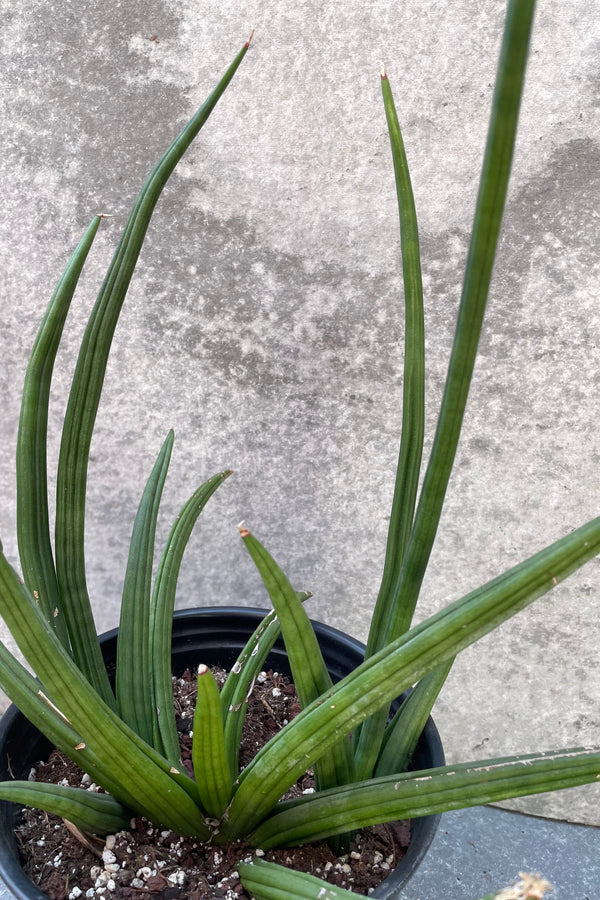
{"x": 265, "y": 322}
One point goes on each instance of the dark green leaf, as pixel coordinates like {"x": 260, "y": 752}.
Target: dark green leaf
{"x": 425, "y": 793}
{"x": 85, "y": 397}
{"x": 161, "y": 616}
{"x": 484, "y": 238}
{"x": 95, "y": 813}
{"x": 270, "y": 881}
{"x": 211, "y": 766}
{"x": 486, "y": 227}
{"x": 403, "y": 732}
{"x": 413, "y": 400}
{"x": 127, "y": 767}
{"x": 309, "y": 672}
{"x": 134, "y": 665}
{"x": 33, "y": 529}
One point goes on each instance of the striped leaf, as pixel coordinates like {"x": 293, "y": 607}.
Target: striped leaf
{"x": 161, "y": 616}
{"x": 211, "y": 766}
{"x": 403, "y": 732}
{"x": 89, "y": 811}
{"x": 134, "y": 665}
{"x": 85, "y": 396}
{"x": 482, "y": 250}
{"x": 238, "y": 687}
{"x": 33, "y": 529}
{"x": 309, "y": 672}
{"x": 425, "y": 793}
{"x": 270, "y": 881}
{"x": 413, "y": 397}
{"x": 127, "y": 767}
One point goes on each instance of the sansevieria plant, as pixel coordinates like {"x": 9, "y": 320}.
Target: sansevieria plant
{"x": 126, "y": 739}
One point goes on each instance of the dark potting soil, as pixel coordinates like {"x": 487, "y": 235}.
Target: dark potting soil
{"x": 148, "y": 860}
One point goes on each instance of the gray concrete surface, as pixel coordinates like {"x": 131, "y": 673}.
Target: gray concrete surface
{"x": 477, "y": 851}
{"x": 265, "y": 322}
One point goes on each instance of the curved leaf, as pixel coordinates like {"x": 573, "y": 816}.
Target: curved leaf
{"x": 403, "y": 732}
{"x": 134, "y": 673}
{"x": 33, "y": 528}
{"x": 270, "y": 881}
{"x": 85, "y": 397}
{"x": 238, "y": 686}
{"x": 493, "y": 186}
{"x": 161, "y": 616}
{"x": 482, "y": 250}
{"x": 309, "y": 672}
{"x": 89, "y": 811}
{"x": 133, "y": 772}
{"x": 413, "y": 397}
{"x": 425, "y": 793}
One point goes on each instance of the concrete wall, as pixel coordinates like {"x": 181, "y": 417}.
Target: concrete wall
{"x": 265, "y": 321}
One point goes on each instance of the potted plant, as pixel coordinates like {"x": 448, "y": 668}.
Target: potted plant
{"x": 213, "y": 636}
{"x": 126, "y": 739}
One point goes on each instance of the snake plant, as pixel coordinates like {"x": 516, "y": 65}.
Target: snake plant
{"x": 126, "y": 738}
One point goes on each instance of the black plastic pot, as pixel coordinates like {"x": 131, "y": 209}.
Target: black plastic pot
{"x": 213, "y": 636}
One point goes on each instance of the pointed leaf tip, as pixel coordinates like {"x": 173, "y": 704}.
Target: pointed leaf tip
{"x": 250, "y": 38}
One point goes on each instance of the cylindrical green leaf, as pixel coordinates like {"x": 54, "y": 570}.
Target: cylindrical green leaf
{"x": 309, "y": 672}
{"x": 270, "y": 881}
{"x": 424, "y": 793}
{"x": 257, "y": 648}
{"x": 133, "y": 684}
{"x": 482, "y": 250}
{"x": 491, "y": 197}
{"x": 85, "y": 397}
{"x": 403, "y": 732}
{"x": 211, "y": 766}
{"x": 161, "y": 616}
{"x": 93, "y": 812}
{"x": 413, "y": 396}
{"x": 239, "y": 684}
{"x": 33, "y": 529}
{"x": 243, "y": 672}
{"x": 25, "y": 692}
{"x": 367, "y": 745}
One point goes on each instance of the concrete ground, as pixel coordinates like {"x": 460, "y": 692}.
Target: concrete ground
{"x": 480, "y": 850}
{"x": 265, "y": 324}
